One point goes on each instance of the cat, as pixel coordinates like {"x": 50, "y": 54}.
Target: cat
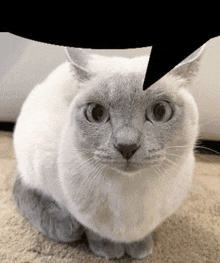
{"x": 96, "y": 154}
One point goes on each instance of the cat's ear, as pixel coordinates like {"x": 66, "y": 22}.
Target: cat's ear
{"x": 189, "y": 66}
{"x": 78, "y": 60}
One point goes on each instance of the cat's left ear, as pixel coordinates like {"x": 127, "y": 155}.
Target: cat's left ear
{"x": 78, "y": 59}
{"x": 189, "y": 66}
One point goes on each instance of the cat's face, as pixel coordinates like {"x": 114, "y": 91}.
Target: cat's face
{"x": 116, "y": 123}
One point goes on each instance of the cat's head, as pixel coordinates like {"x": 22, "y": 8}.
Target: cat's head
{"x": 115, "y": 122}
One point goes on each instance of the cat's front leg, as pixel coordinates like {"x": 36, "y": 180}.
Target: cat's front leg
{"x": 54, "y": 221}
{"x": 140, "y": 249}
{"x": 104, "y": 247}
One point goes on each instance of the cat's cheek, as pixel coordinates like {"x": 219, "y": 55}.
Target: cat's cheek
{"x": 189, "y": 128}
{"x": 190, "y": 106}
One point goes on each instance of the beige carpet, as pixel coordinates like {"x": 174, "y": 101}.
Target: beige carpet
{"x": 192, "y": 235}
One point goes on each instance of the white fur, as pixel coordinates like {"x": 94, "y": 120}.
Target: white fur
{"x": 139, "y": 203}
{"x": 38, "y": 129}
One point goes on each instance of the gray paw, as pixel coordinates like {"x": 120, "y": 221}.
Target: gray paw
{"x": 108, "y": 249}
{"x": 103, "y": 247}
{"x": 55, "y": 222}
{"x": 140, "y": 249}
{"x": 58, "y": 224}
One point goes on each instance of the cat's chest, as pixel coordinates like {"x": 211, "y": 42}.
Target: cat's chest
{"x": 122, "y": 209}
{"x": 128, "y": 210}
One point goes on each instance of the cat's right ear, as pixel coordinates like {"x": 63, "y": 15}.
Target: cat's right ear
{"x": 189, "y": 67}
{"x": 78, "y": 60}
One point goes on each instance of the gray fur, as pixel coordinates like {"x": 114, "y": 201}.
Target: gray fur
{"x": 140, "y": 249}
{"x": 55, "y": 222}
{"x": 108, "y": 249}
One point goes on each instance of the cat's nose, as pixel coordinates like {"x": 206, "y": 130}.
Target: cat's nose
{"x": 127, "y": 150}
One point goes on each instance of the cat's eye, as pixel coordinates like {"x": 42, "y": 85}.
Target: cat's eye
{"x": 96, "y": 113}
{"x": 159, "y": 112}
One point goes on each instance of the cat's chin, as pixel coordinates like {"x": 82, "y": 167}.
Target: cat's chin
{"x": 134, "y": 168}
{"x": 127, "y": 168}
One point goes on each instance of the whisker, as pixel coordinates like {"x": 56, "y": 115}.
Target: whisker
{"x": 179, "y": 146}
{"x": 164, "y": 169}
{"x": 78, "y": 165}
{"x": 92, "y": 178}
{"x": 84, "y": 165}
{"x": 170, "y": 165}
{"x": 79, "y": 150}
{"x": 90, "y": 172}
{"x": 84, "y": 161}
{"x": 171, "y": 154}
{"x": 97, "y": 174}
{"x": 158, "y": 168}
{"x": 167, "y": 159}
{"x": 88, "y": 178}
{"x": 206, "y": 148}
{"x": 165, "y": 172}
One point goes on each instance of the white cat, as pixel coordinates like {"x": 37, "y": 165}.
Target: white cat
{"x": 98, "y": 154}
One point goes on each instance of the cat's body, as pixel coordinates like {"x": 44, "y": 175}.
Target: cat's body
{"x": 116, "y": 192}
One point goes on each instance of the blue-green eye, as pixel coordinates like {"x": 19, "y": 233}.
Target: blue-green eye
{"x": 96, "y": 113}
{"x": 159, "y": 112}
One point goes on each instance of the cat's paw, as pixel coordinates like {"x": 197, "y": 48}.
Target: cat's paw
{"x": 58, "y": 224}
{"x": 103, "y": 247}
{"x": 140, "y": 249}
{"x": 54, "y": 221}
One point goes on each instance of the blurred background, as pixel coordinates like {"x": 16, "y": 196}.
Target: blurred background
{"x": 25, "y": 63}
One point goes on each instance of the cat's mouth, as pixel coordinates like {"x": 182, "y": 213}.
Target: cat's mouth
{"x": 131, "y": 166}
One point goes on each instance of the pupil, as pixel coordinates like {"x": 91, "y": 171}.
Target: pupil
{"x": 97, "y": 113}
{"x": 159, "y": 111}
